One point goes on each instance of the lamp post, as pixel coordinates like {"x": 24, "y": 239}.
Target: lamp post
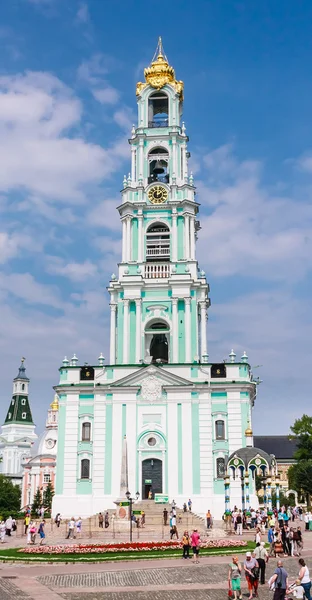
{"x": 131, "y": 500}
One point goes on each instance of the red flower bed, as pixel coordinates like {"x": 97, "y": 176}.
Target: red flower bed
{"x": 126, "y": 547}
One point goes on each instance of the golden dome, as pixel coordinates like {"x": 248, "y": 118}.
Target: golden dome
{"x": 248, "y": 431}
{"x": 159, "y": 73}
{"x": 55, "y": 404}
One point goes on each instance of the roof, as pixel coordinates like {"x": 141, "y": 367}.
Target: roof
{"x": 249, "y": 453}
{"x": 21, "y": 372}
{"x": 280, "y": 445}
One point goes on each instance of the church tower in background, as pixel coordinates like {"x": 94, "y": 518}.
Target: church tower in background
{"x": 182, "y": 416}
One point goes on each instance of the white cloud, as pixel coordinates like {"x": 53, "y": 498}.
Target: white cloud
{"x": 124, "y": 117}
{"x": 83, "y": 15}
{"x": 71, "y": 270}
{"x": 26, "y": 288}
{"x": 105, "y": 214}
{"x": 107, "y": 95}
{"x": 37, "y": 112}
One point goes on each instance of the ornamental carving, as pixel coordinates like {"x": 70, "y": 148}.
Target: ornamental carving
{"x": 151, "y": 389}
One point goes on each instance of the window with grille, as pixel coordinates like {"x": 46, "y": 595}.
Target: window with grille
{"x": 220, "y": 467}
{"x": 85, "y": 468}
{"x": 220, "y": 430}
{"x": 86, "y": 432}
{"x": 46, "y": 478}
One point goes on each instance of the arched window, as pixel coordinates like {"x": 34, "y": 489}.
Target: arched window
{"x": 157, "y": 342}
{"x": 85, "y": 468}
{"x": 158, "y": 159}
{"x": 158, "y": 243}
{"x": 86, "y": 432}
{"x": 220, "y": 430}
{"x": 158, "y": 110}
{"x": 220, "y": 468}
{"x": 23, "y": 386}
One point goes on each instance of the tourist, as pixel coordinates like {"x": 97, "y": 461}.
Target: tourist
{"x": 304, "y": 577}
{"x": 253, "y": 518}
{"x": 310, "y": 521}
{"x": 299, "y": 541}
{"x": 278, "y": 546}
{"x": 300, "y": 511}
{"x": 33, "y": 532}
{"x": 57, "y": 520}
{"x": 251, "y": 569}
{"x": 186, "y": 545}
{"x": 165, "y": 516}
{"x": 101, "y": 520}
{"x": 285, "y": 535}
{"x": 71, "y": 529}
{"x": 261, "y": 555}
{"x": 29, "y": 532}
{"x": 234, "y": 577}
{"x": 184, "y": 507}
{"x": 306, "y": 520}
{"x": 258, "y": 536}
{"x": 280, "y": 518}
{"x": 106, "y": 520}
{"x": 142, "y": 518}
{"x": 8, "y": 526}
{"x": 195, "y": 541}
{"x": 271, "y": 541}
{"x": 41, "y": 532}
{"x": 26, "y": 523}
{"x": 208, "y": 519}
{"x": 173, "y": 530}
{"x": 189, "y": 504}
{"x": 280, "y": 581}
{"x": 78, "y": 527}
{"x": 42, "y": 512}
{"x": 2, "y": 532}
{"x": 239, "y": 523}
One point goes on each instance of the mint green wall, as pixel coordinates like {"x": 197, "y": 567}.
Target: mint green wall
{"x": 132, "y": 333}
{"x": 180, "y": 226}
{"x": 195, "y": 447}
{"x": 218, "y": 484}
{"x": 135, "y": 239}
{"x": 181, "y": 330}
{"x": 219, "y": 407}
{"x": 244, "y": 394}
{"x": 108, "y": 448}
{"x": 194, "y": 327}
{"x": 84, "y": 487}
{"x": 59, "y": 483}
{"x": 194, "y": 371}
{"x": 110, "y": 373}
{"x": 119, "y": 332}
{"x": 218, "y": 395}
{"x": 180, "y": 458}
{"x": 243, "y": 371}
{"x": 63, "y": 375}
{"x": 124, "y": 420}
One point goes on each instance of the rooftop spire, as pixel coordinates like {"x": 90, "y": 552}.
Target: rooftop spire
{"x": 22, "y": 371}
{"x": 159, "y": 52}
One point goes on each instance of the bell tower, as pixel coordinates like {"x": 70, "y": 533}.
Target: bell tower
{"x": 160, "y": 298}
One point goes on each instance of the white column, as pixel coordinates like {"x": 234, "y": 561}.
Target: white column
{"x": 128, "y": 238}
{"x": 174, "y": 160}
{"x": 112, "y": 355}
{"x": 138, "y": 320}
{"x": 140, "y": 238}
{"x": 203, "y": 332}
{"x": 126, "y": 332}
{"x": 124, "y": 240}
{"x": 192, "y": 238}
{"x": 133, "y": 173}
{"x": 174, "y": 238}
{"x": 185, "y": 169}
{"x": 187, "y": 236}
{"x": 175, "y": 337}
{"x": 141, "y": 161}
{"x": 187, "y": 309}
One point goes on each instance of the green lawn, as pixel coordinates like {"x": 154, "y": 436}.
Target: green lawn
{"x": 12, "y": 554}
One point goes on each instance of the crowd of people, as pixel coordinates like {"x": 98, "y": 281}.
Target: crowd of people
{"x": 254, "y": 569}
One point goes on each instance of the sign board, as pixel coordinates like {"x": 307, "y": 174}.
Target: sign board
{"x": 148, "y": 481}
{"x": 136, "y": 512}
{"x": 126, "y": 503}
{"x": 161, "y": 498}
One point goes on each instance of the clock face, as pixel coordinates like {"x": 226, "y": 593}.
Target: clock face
{"x": 50, "y": 443}
{"x": 157, "y": 194}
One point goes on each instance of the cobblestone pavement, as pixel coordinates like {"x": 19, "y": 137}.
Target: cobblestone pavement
{"x": 201, "y": 574}
{"x": 8, "y": 590}
{"x": 211, "y": 594}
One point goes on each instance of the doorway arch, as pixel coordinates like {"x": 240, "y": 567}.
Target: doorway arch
{"x": 152, "y": 477}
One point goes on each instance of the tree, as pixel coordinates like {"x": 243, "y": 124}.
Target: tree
{"x": 300, "y": 477}
{"x": 302, "y": 430}
{"x": 10, "y": 496}
{"x": 48, "y": 496}
{"x": 37, "y": 502}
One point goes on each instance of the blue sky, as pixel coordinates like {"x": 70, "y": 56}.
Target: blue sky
{"x": 67, "y": 103}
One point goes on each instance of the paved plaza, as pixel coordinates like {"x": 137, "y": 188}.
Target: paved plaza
{"x": 166, "y": 579}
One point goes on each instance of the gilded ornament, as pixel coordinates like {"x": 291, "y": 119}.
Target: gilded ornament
{"x": 159, "y": 73}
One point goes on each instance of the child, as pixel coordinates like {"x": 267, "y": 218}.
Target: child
{"x": 234, "y": 577}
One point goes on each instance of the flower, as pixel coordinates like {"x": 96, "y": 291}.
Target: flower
{"x": 125, "y": 547}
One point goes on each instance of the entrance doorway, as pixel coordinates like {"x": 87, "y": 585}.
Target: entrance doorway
{"x": 151, "y": 477}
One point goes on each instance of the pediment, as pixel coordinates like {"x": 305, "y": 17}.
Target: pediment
{"x": 164, "y": 378}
